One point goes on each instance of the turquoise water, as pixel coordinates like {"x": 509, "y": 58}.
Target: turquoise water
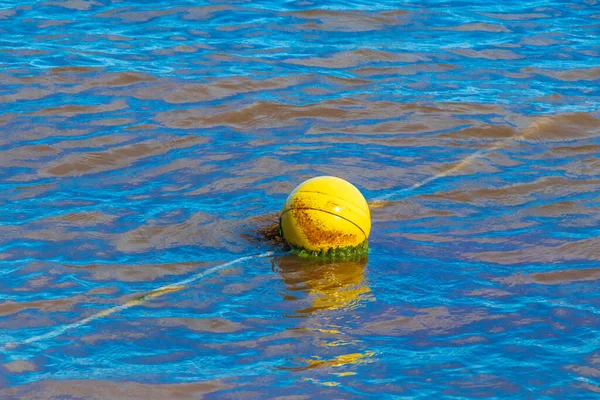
{"x": 142, "y": 144}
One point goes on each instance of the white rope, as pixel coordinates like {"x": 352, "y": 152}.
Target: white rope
{"x": 457, "y": 167}
{"x": 172, "y": 287}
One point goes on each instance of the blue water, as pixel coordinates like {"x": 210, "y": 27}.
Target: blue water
{"x": 142, "y": 143}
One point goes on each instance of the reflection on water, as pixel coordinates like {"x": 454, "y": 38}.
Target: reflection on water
{"x": 338, "y": 285}
{"x": 333, "y": 291}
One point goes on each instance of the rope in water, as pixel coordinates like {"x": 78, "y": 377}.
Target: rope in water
{"x": 457, "y": 167}
{"x": 175, "y": 287}
{"x": 170, "y": 288}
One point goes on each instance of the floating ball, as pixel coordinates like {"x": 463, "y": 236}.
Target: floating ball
{"x": 325, "y": 214}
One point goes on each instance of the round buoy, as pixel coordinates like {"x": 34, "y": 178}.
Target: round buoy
{"x": 326, "y": 215}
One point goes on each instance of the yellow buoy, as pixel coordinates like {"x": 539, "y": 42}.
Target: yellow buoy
{"x": 326, "y": 213}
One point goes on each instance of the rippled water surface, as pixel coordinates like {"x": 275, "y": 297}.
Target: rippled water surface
{"x": 144, "y": 143}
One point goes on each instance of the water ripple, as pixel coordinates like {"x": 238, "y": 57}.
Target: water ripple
{"x": 142, "y": 144}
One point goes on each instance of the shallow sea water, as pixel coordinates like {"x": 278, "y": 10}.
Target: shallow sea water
{"x": 143, "y": 143}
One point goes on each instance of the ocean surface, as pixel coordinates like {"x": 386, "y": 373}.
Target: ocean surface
{"x": 143, "y": 145}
